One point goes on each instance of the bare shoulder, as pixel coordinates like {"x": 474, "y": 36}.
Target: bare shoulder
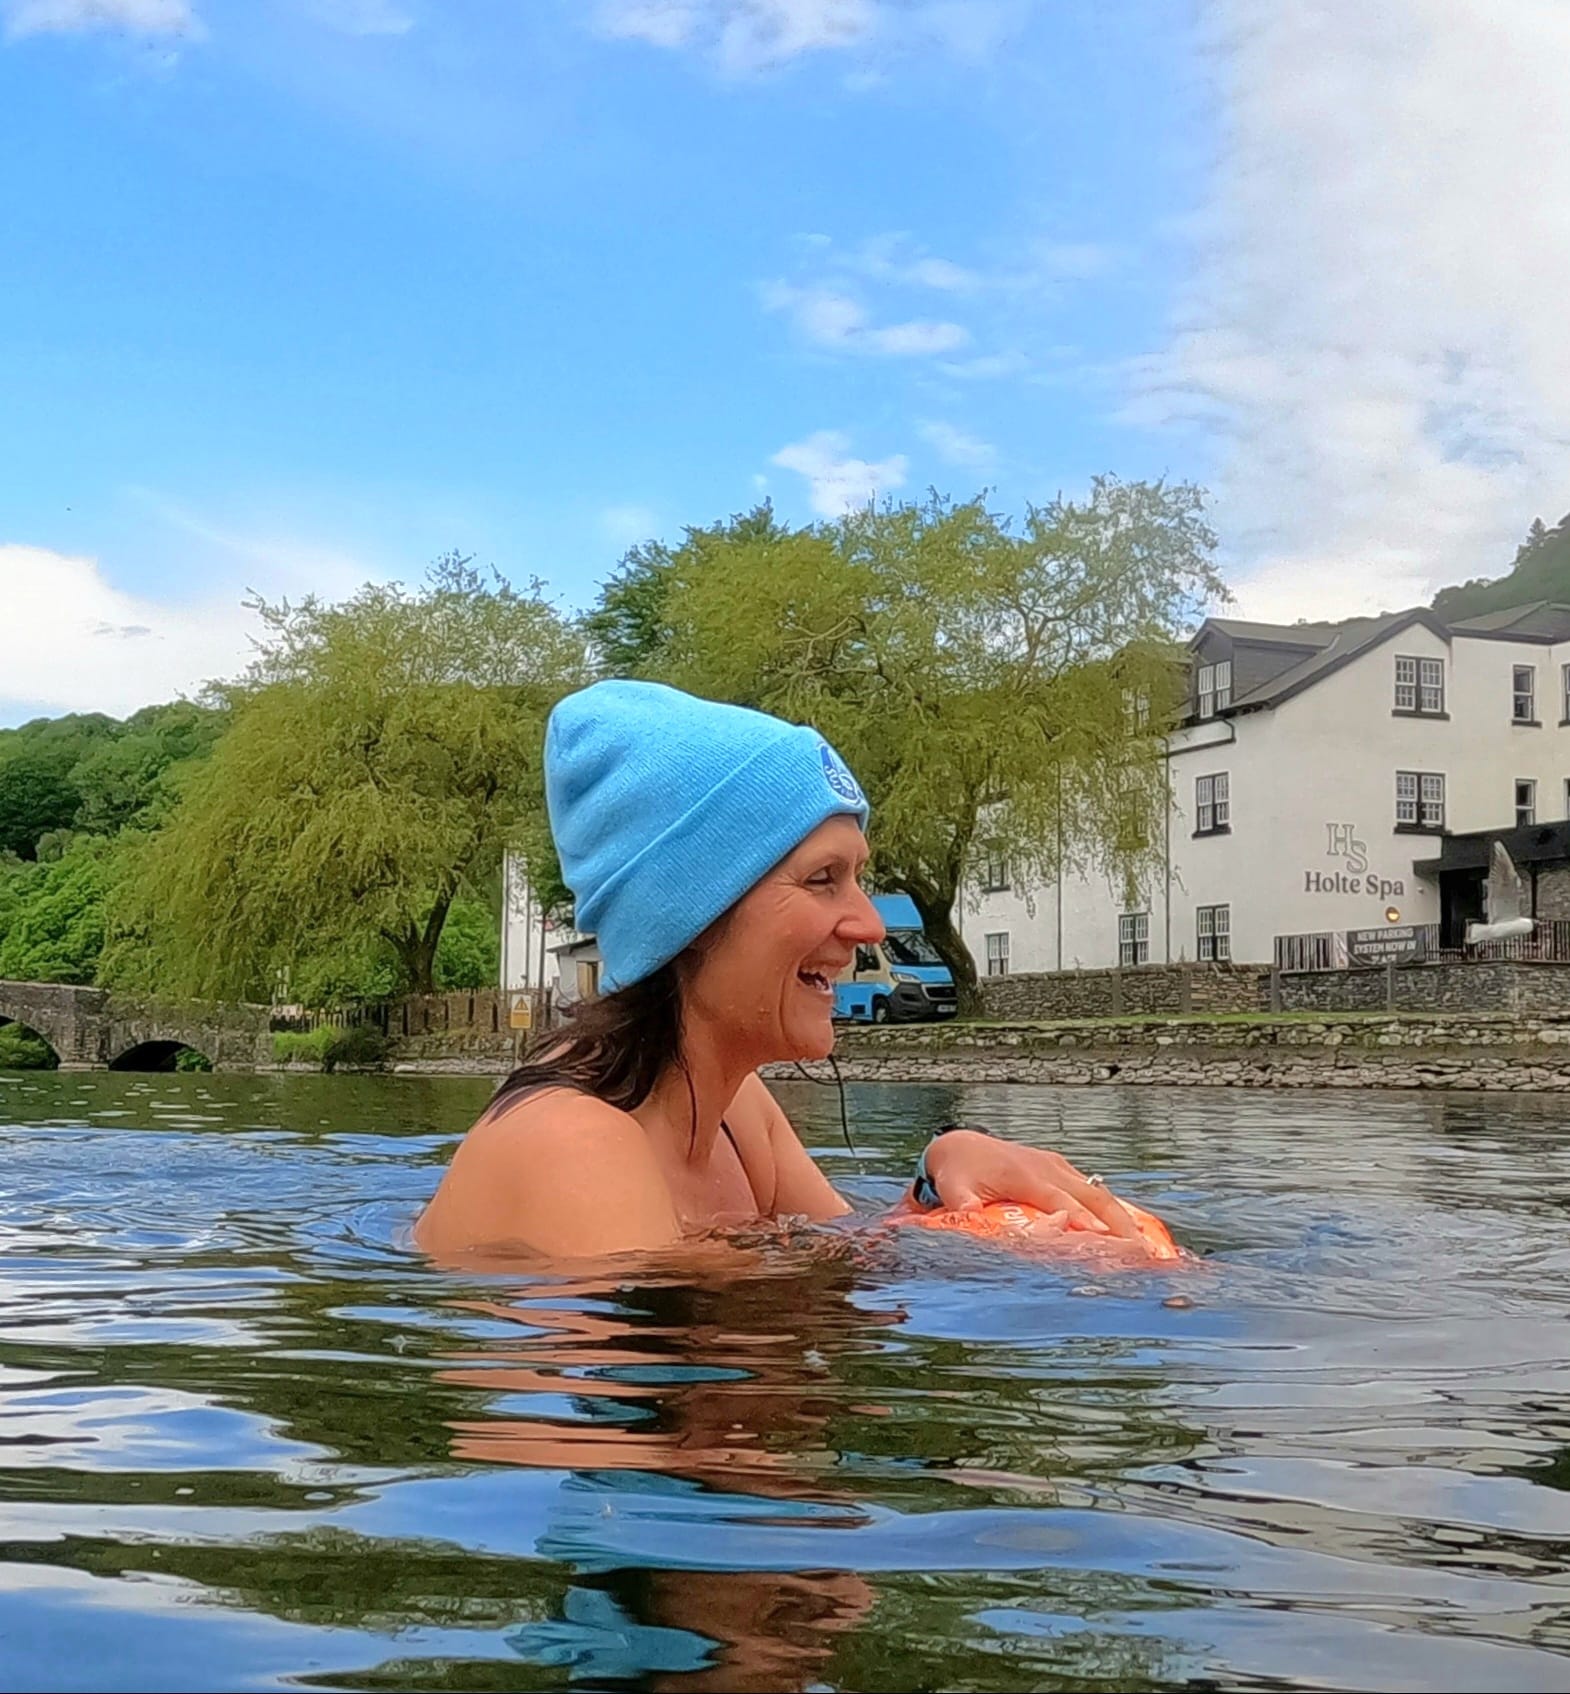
{"x": 795, "y": 1183}
{"x": 560, "y": 1172}
{"x": 756, "y": 1107}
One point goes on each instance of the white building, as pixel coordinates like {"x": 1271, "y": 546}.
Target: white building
{"x": 1327, "y": 778}
{"x": 530, "y": 938}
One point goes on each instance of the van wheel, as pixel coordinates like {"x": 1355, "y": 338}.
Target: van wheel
{"x": 880, "y": 1011}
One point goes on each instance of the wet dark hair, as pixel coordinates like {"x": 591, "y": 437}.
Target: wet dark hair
{"x": 615, "y": 1047}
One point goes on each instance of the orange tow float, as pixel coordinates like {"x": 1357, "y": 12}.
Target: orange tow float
{"x": 1010, "y": 1223}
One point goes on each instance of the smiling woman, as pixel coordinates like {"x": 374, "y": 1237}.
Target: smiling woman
{"x": 717, "y": 855}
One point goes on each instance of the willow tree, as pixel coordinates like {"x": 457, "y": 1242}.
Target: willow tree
{"x": 380, "y": 754}
{"x": 998, "y": 689}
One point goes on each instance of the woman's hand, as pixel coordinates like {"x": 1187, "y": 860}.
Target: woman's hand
{"x": 970, "y": 1168}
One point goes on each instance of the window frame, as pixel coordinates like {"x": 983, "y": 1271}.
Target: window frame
{"x": 995, "y": 876}
{"x": 1529, "y": 783}
{"x": 1133, "y": 940}
{"x": 1518, "y": 694}
{"x": 1136, "y": 710}
{"x": 1424, "y": 687}
{"x": 1213, "y": 803}
{"x": 1427, "y": 812}
{"x": 1223, "y": 684}
{"x": 1213, "y": 934}
{"x": 1564, "y": 694}
{"x": 1205, "y": 696}
{"x": 997, "y": 958}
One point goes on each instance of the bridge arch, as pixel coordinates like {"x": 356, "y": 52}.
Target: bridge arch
{"x": 25, "y": 1053}
{"x": 160, "y": 1054}
{"x": 41, "y": 1008}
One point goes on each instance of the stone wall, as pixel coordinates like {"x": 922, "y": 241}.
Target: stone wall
{"x": 1472, "y": 985}
{"x": 1499, "y": 1052}
{"x": 1553, "y": 892}
{"x": 1114, "y": 993}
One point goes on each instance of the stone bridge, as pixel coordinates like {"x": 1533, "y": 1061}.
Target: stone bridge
{"x": 94, "y": 1028}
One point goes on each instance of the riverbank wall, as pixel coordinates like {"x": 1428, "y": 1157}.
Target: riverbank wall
{"x": 1493, "y": 1052}
{"x": 1500, "y": 1052}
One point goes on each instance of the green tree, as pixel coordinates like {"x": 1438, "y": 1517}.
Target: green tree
{"x": 52, "y": 914}
{"x": 379, "y": 754}
{"x": 1541, "y": 571}
{"x": 470, "y": 952}
{"x": 978, "y": 678}
{"x": 38, "y": 793}
{"x": 133, "y": 780}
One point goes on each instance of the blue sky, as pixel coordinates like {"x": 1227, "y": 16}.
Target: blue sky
{"x": 302, "y": 292}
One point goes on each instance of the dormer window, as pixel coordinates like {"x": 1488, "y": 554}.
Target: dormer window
{"x": 1214, "y": 687}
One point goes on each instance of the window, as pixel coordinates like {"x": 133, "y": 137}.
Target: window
{"x": 995, "y": 876}
{"x": 998, "y": 953}
{"x": 1223, "y": 683}
{"x": 1215, "y": 933}
{"x": 1564, "y": 688}
{"x": 1567, "y": 796}
{"x": 1212, "y": 803}
{"x": 1420, "y": 685}
{"x": 1420, "y": 800}
{"x": 1136, "y": 710}
{"x": 1525, "y": 802}
{"x": 1206, "y": 689}
{"x": 1134, "y": 938}
{"x": 1523, "y": 695}
{"x": 1433, "y": 801}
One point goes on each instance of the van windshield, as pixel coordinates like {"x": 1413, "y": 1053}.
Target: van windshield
{"x": 910, "y": 947}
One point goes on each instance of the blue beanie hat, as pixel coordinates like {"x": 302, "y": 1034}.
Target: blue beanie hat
{"x": 666, "y": 809}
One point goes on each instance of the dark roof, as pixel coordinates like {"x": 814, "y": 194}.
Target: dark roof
{"x": 1533, "y": 843}
{"x": 1543, "y": 620}
{"x": 1331, "y": 645}
{"x": 1276, "y": 634}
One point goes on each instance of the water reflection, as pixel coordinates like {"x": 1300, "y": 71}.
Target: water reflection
{"x": 711, "y": 1390}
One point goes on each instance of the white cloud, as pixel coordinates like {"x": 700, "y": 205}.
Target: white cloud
{"x": 1377, "y": 327}
{"x": 72, "y": 642}
{"x": 837, "y": 482}
{"x": 894, "y": 257}
{"x": 955, "y": 447}
{"x": 743, "y": 36}
{"x": 76, "y": 17}
{"x": 746, "y": 36}
{"x": 828, "y": 317}
{"x": 362, "y": 17}
{"x": 626, "y": 526}
{"x": 985, "y": 367}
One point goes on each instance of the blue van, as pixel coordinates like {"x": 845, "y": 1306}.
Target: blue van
{"x": 901, "y": 980}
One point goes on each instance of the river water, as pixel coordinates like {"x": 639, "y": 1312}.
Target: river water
{"x": 248, "y": 1439}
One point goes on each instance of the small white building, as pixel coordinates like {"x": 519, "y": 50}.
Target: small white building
{"x": 1314, "y": 781}
{"x": 530, "y": 938}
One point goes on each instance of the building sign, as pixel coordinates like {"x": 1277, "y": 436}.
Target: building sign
{"x": 1395, "y": 944}
{"x": 1354, "y": 876}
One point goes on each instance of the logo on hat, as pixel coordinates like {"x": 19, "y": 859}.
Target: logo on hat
{"x": 837, "y": 774}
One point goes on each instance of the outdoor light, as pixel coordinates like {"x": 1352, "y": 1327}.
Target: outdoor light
{"x": 1392, "y": 914}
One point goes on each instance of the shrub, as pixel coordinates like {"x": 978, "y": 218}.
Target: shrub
{"x": 188, "y": 1059}
{"x": 290, "y": 1045}
{"x": 361, "y": 1045}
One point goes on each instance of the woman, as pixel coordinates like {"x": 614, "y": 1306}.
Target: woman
{"x": 717, "y": 854}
